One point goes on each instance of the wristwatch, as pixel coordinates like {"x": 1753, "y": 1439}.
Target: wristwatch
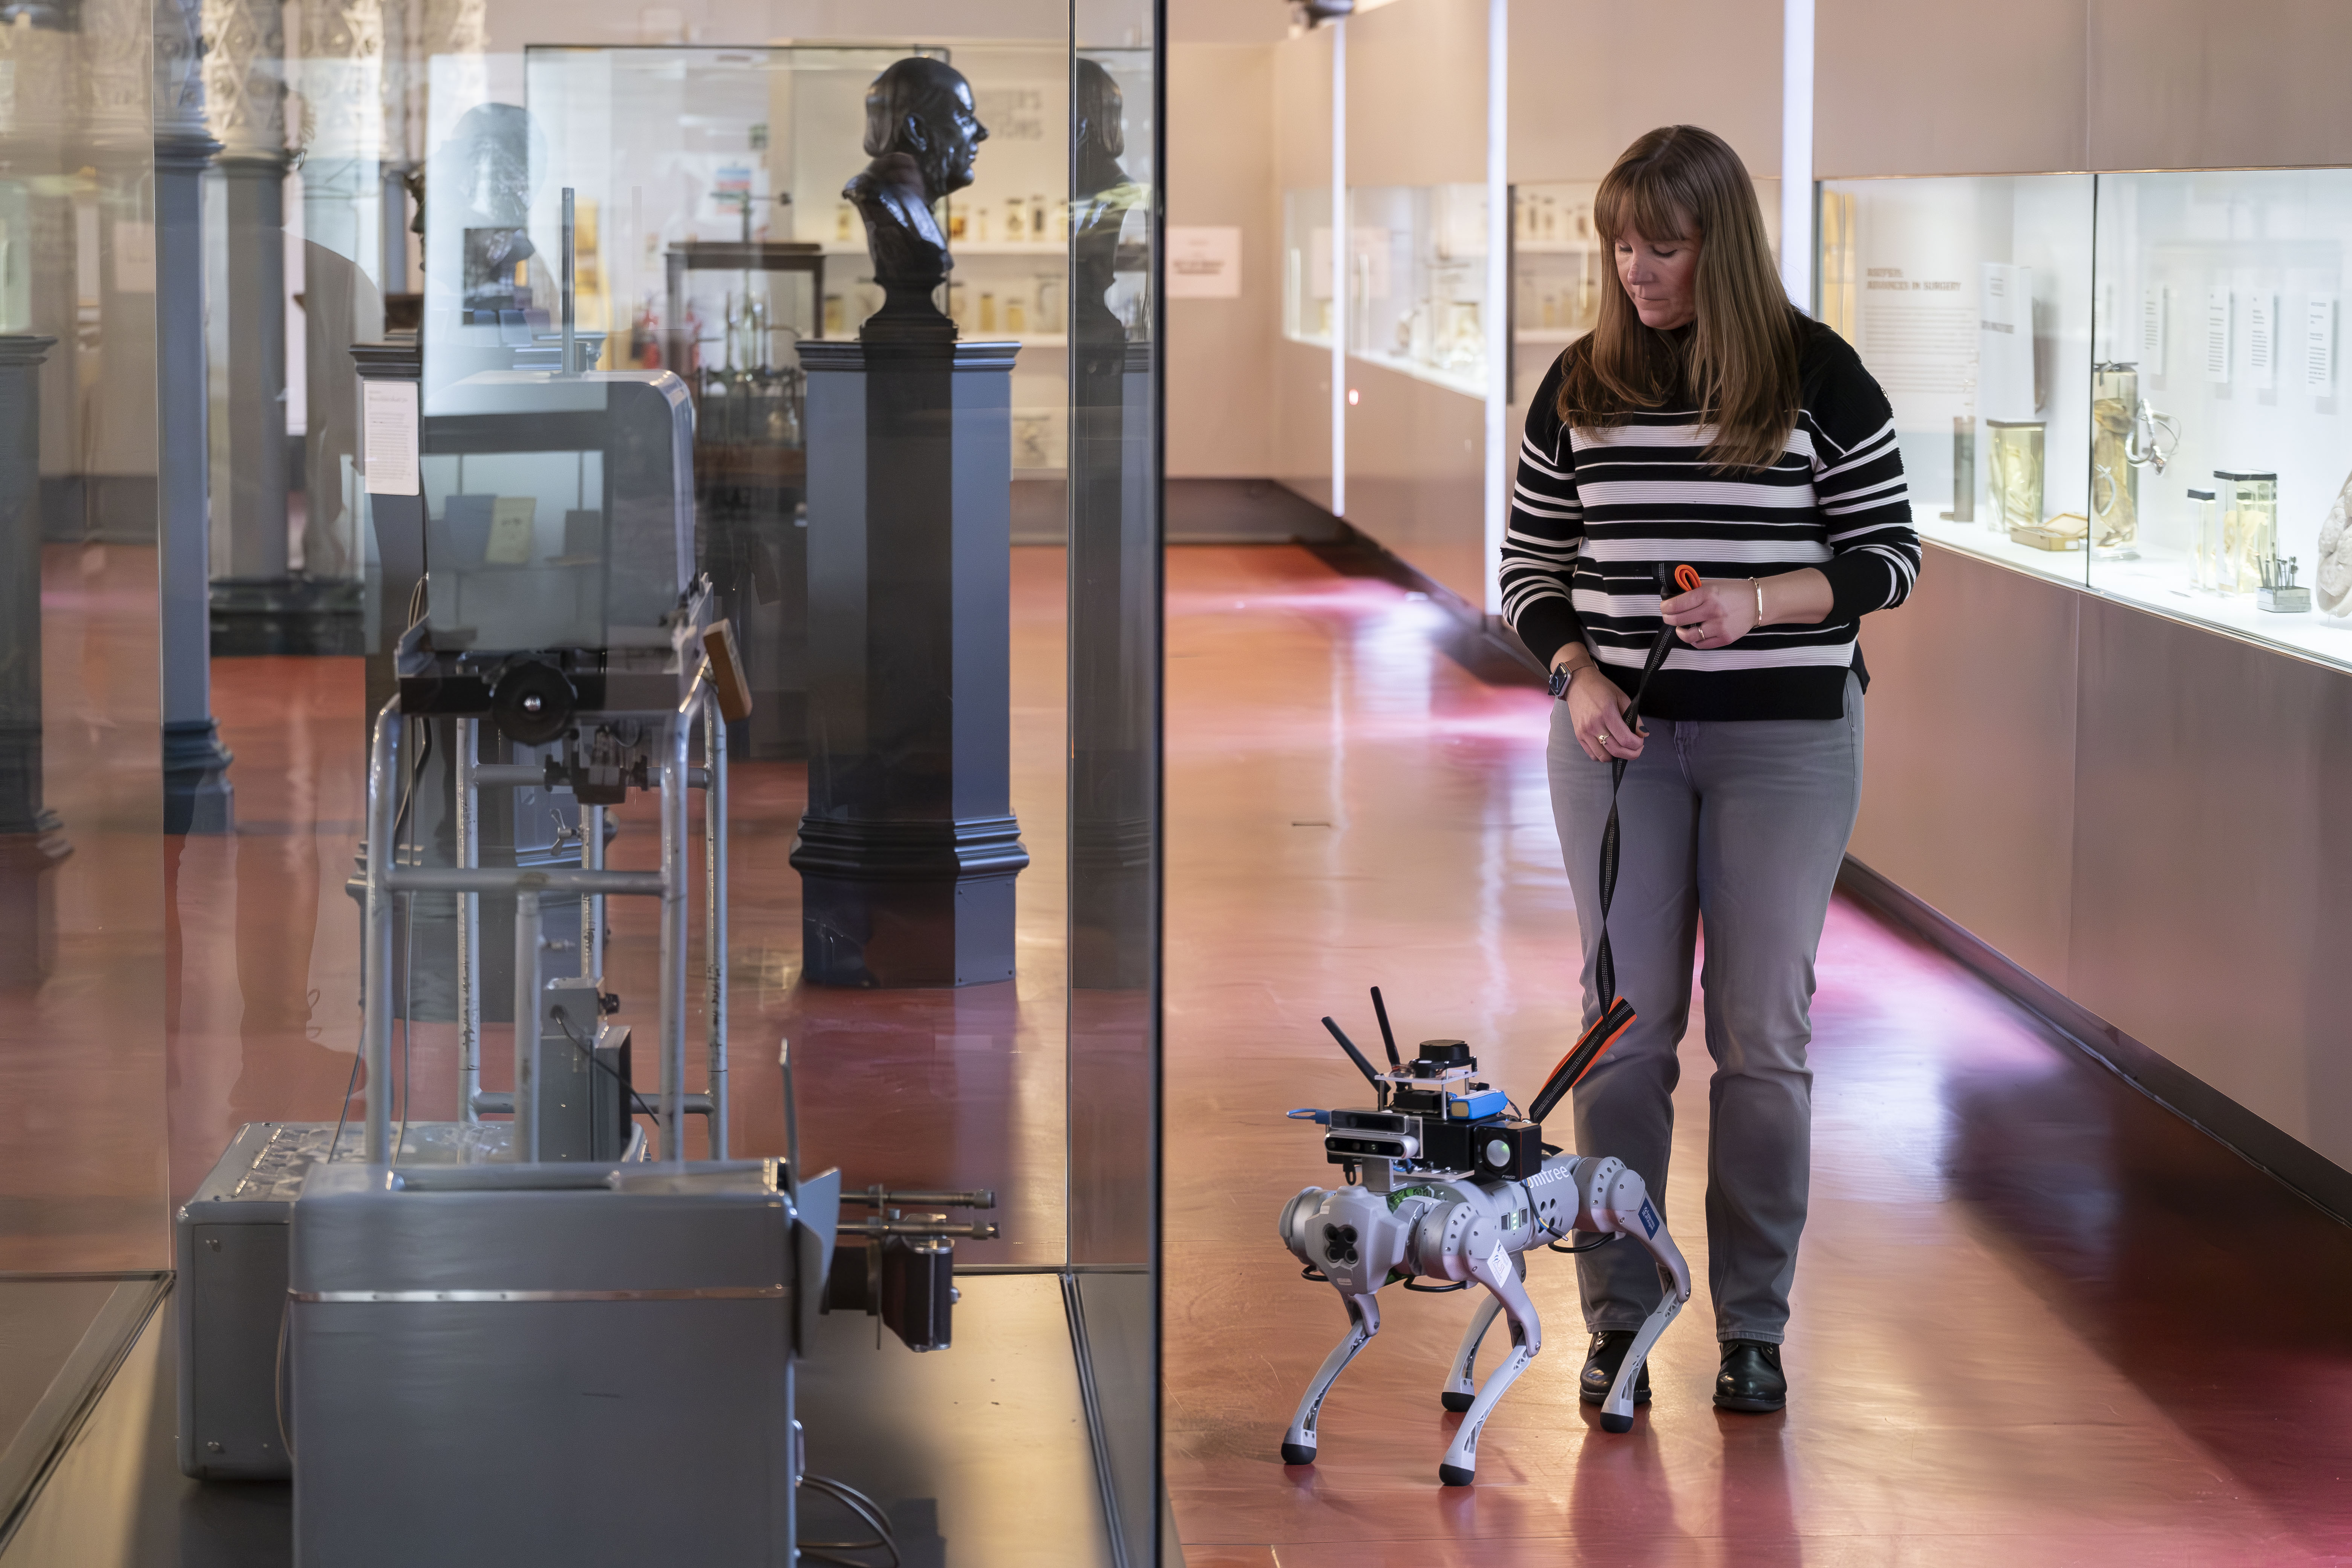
{"x": 1561, "y": 674}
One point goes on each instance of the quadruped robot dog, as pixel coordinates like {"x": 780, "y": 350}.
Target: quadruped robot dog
{"x": 1444, "y": 1183}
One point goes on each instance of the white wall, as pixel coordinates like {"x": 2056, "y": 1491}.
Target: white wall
{"x": 1588, "y": 78}
{"x": 1221, "y": 353}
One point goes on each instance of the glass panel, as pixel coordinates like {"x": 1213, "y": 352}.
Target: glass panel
{"x": 2218, "y": 447}
{"x": 1417, "y": 283}
{"x": 1969, "y": 301}
{"x": 1307, "y": 310}
{"x": 1115, "y": 594}
{"x": 88, "y": 964}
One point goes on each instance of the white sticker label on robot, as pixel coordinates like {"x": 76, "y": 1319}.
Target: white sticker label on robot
{"x": 390, "y": 416}
{"x": 2319, "y": 345}
{"x": 1204, "y": 263}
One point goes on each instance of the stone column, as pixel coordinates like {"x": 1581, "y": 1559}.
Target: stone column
{"x": 342, "y": 300}
{"x": 197, "y": 795}
{"x": 41, "y": 137}
{"x": 31, "y": 841}
{"x": 245, "y": 104}
{"x": 118, "y": 446}
{"x": 909, "y": 849}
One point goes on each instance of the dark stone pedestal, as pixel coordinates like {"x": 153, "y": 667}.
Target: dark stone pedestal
{"x": 908, "y": 851}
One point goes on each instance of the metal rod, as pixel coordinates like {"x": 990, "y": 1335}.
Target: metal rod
{"x": 504, "y": 879}
{"x": 498, "y": 1103}
{"x": 673, "y": 927}
{"x": 791, "y": 1117}
{"x": 592, "y": 905}
{"x": 499, "y": 773}
{"x": 375, "y": 1011}
{"x": 571, "y": 358}
{"x": 976, "y": 1230}
{"x": 714, "y": 938}
{"x": 528, "y": 942}
{"x": 883, "y": 1198}
{"x": 469, "y": 920}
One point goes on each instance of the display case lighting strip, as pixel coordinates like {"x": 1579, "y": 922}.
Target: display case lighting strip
{"x": 1343, "y": 243}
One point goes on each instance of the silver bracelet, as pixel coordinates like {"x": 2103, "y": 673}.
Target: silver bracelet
{"x": 1757, "y": 584}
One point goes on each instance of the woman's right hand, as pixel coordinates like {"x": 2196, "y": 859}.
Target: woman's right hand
{"x": 1596, "y": 712}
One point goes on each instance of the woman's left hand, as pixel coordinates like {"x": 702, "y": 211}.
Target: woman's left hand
{"x": 1717, "y": 613}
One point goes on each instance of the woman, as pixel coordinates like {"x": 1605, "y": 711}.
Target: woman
{"x": 1706, "y": 422}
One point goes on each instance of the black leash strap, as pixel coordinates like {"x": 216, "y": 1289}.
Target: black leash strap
{"x": 1618, "y": 1016}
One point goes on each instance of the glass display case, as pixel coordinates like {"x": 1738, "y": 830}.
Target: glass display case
{"x": 2220, "y": 435}
{"x": 1969, "y": 299}
{"x": 1559, "y": 264}
{"x": 2153, "y": 414}
{"x": 1417, "y": 281}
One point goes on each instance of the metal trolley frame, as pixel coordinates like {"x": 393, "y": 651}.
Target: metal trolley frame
{"x": 594, "y": 883}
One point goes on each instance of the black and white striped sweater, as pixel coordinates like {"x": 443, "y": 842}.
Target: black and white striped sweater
{"x": 1594, "y": 512}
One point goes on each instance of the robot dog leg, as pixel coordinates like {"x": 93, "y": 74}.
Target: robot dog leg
{"x": 1461, "y": 1388}
{"x": 1612, "y": 1200}
{"x": 1496, "y": 1269}
{"x": 1363, "y": 1323}
{"x": 1354, "y": 1239}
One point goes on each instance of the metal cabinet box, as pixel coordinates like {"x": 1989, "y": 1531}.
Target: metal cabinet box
{"x": 544, "y": 1363}
{"x": 230, "y": 1300}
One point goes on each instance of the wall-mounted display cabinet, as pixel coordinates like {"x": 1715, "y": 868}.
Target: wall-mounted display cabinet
{"x": 2125, "y": 382}
{"x": 1559, "y": 266}
{"x": 1417, "y": 282}
{"x": 1416, "y": 279}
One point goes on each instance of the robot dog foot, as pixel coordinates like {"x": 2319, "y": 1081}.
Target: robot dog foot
{"x": 1299, "y": 1453}
{"x": 1455, "y": 1476}
{"x": 1456, "y": 1401}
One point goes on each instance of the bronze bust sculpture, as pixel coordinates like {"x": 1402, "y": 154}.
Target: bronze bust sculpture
{"x": 922, "y": 132}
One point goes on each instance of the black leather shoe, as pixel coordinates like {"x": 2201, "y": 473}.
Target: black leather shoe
{"x": 1751, "y": 1378}
{"x": 1602, "y": 1364}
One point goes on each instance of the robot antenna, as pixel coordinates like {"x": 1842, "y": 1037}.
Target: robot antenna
{"x": 1388, "y": 1035}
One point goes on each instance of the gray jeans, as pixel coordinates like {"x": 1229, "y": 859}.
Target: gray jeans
{"x": 1740, "y": 825}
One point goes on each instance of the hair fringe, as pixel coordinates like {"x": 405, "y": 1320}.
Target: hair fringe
{"x": 1739, "y": 360}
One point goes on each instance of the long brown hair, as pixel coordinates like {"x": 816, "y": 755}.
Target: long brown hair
{"x": 1740, "y": 359}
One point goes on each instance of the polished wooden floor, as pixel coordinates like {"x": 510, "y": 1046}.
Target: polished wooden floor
{"x": 2038, "y": 1319}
